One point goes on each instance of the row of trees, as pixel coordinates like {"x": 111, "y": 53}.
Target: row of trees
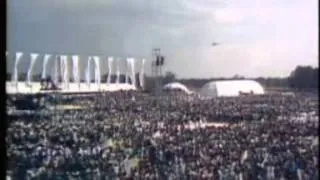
{"x": 304, "y": 77}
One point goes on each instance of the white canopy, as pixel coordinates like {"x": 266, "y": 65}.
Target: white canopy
{"x": 177, "y": 86}
{"x": 231, "y": 88}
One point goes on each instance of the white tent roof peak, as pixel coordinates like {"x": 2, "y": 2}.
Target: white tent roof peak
{"x": 177, "y": 86}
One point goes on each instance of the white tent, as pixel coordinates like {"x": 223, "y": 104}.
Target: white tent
{"x": 231, "y": 88}
{"x": 177, "y": 86}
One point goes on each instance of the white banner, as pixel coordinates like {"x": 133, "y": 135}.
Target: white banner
{"x": 127, "y": 72}
{"x": 133, "y": 77}
{"x": 64, "y": 70}
{"x": 65, "y": 73}
{"x": 133, "y": 72}
{"x": 118, "y": 71}
{"x": 110, "y": 62}
{"x": 44, "y": 67}
{"x": 97, "y": 75}
{"x": 130, "y": 67}
{"x": 142, "y": 73}
{"x": 33, "y": 57}
{"x": 88, "y": 74}
{"x": 15, "y": 69}
{"x": 56, "y": 70}
{"x": 61, "y": 68}
{"x": 75, "y": 68}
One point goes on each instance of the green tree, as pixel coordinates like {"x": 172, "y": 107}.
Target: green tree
{"x": 304, "y": 77}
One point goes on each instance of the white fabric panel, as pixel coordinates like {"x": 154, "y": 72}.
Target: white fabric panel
{"x": 127, "y": 72}
{"x": 133, "y": 78}
{"x": 61, "y": 67}
{"x": 133, "y": 72}
{"x": 56, "y": 70}
{"x": 110, "y": 62}
{"x": 44, "y": 67}
{"x": 97, "y": 74}
{"x": 64, "y": 71}
{"x": 231, "y": 88}
{"x": 118, "y": 71}
{"x": 75, "y": 69}
{"x": 88, "y": 73}
{"x": 142, "y": 73}
{"x": 33, "y": 57}
{"x": 129, "y": 68}
{"x": 16, "y": 64}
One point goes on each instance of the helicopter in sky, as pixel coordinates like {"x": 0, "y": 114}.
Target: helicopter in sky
{"x": 215, "y": 44}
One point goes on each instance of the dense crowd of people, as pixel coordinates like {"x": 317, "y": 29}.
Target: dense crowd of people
{"x": 133, "y": 135}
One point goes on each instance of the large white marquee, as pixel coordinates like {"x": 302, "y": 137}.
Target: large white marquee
{"x": 231, "y": 88}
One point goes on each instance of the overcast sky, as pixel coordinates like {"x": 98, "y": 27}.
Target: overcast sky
{"x": 258, "y": 37}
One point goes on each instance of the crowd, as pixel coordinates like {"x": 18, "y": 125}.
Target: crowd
{"x": 132, "y": 135}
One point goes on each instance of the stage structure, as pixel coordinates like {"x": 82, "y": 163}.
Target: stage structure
{"x": 60, "y": 75}
{"x": 157, "y": 65}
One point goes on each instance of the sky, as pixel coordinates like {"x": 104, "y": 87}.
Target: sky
{"x": 256, "y": 38}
